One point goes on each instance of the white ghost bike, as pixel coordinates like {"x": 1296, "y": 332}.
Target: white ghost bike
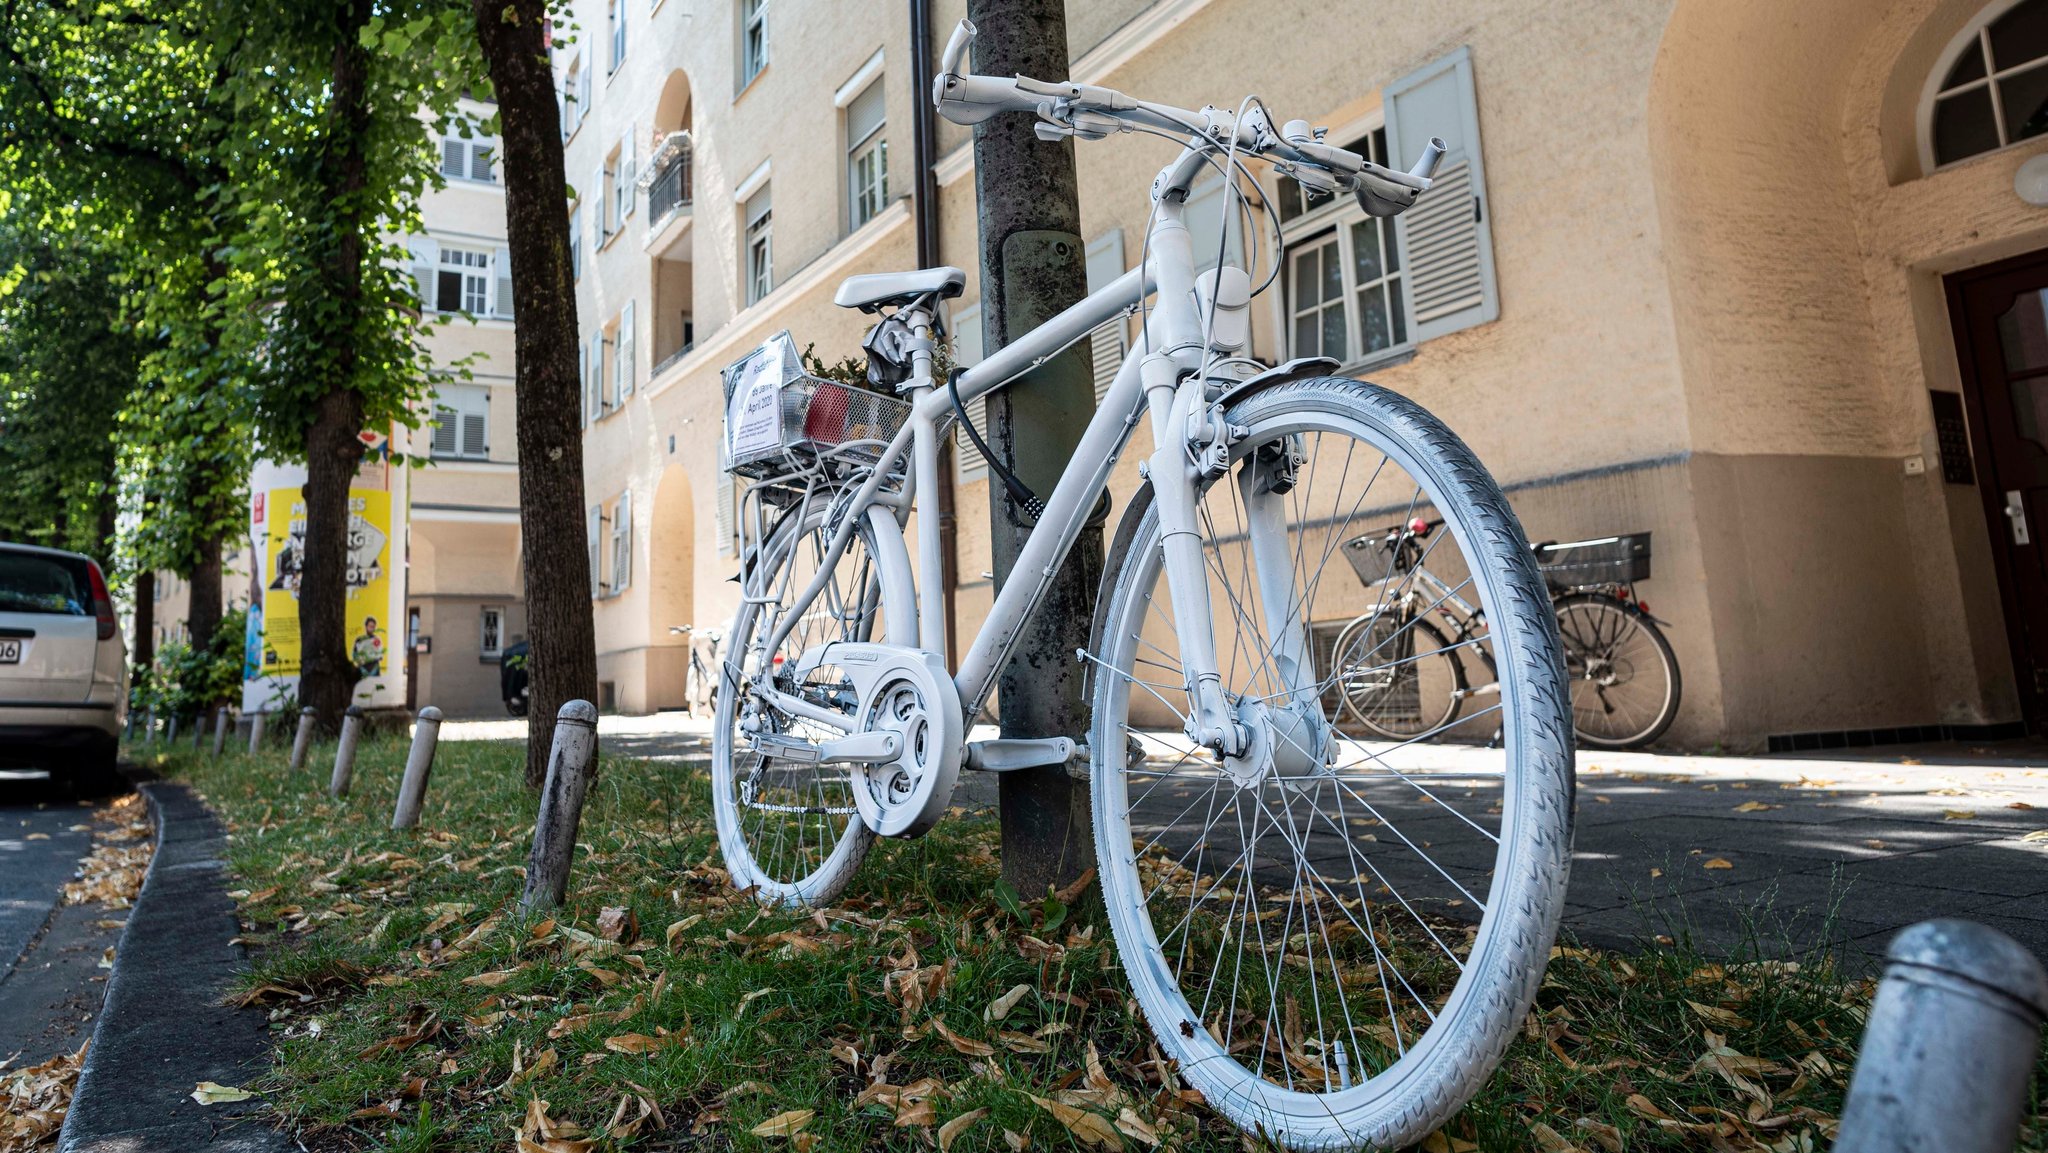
{"x": 1335, "y": 937}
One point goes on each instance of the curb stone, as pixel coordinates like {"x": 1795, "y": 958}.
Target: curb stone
{"x": 164, "y": 1027}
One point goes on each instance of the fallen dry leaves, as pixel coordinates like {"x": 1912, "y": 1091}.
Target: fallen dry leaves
{"x": 33, "y": 1100}
{"x": 112, "y": 873}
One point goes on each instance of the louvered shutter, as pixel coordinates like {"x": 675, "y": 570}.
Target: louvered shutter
{"x": 1106, "y": 344}
{"x": 501, "y": 281}
{"x": 583, "y": 380}
{"x": 628, "y": 349}
{"x": 576, "y": 242}
{"x": 600, "y": 216}
{"x": 454, "y": 155}
{"x": 426, "y": 253}
{"x": 476, "y": 424}
{"x": 627, "y": 193}
{"x": 591, "y": 529}
{"x": 447, "y": 435}
{"x": 1446, "y": 241}
{"x": 596, "y": 384}
{"x": 969, "y": 463}
{"x": 481, "y": 151}
{"x": 723, "y": 514}
{"x": 622, "y": 542}
{"x": 584, "y": 71}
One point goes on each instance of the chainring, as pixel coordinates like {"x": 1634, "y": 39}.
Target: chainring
{"x": 908, "y": 692}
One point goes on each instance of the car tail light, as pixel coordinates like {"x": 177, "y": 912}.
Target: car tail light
{"x": 102, "y": 604}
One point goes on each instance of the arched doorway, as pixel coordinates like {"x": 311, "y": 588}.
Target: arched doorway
{"x": 671, "y": 583}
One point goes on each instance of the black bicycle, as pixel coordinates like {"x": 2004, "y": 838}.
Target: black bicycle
{"x": 1400, "y": 666}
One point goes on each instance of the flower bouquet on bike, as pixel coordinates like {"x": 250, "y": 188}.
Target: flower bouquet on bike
{"x": 1332, "y": 933}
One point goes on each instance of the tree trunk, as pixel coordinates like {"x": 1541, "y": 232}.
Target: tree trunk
{"x": 327, "y": 676}
{"x": 1032, "y": 267}
{"x": 559, "y": 624}
{"x": 144, "y": 653}
{"x": 202, "y": 611}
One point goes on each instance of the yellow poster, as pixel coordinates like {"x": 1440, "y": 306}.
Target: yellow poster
{"x": 369, "y": 592}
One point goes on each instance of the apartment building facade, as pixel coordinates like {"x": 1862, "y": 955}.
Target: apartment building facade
{"x": 1756, "y": 278}
{"x": 465, "y": 590}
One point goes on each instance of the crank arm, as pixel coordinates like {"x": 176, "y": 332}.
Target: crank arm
{"x": 858, "y": 748}
{"x": 1490, "y": 690}
{"x": 1005, "y": 755}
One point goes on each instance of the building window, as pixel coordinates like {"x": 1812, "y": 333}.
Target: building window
{"x": 867, "y": 156}
{"x": 492, "y": 642}
{"x": 1344, "y": 272}
{"x": 760, "y": 250}
{"x": 1994, "y": 92}
{"x": 462, "y": 422}
{"x": 591, "y": 528}
{"x": 622, "y": 543}
{"x": 464, "y": 282}
{"x": 467, "y": 157}
{"x": 617, "y": 10}
{"x": 624, "y": 374}
{"x": 412, "y": 630}
{"x": 572, "y": 106}
{"x": 753, "y": 39}
{"x": 608, "y": 207}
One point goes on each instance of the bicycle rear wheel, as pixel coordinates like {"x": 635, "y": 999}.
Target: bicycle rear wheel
{"x": 1625, "y": 683}
{"x": 1335, "y": 939}
{"x": 788, "y": 830}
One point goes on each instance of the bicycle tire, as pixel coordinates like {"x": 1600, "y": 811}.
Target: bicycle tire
{"x": 1366, "y": 703}
{"x": 1629, "y": 624}
{"x": 808, "y": 872}
{"x": 1495, "y": 983}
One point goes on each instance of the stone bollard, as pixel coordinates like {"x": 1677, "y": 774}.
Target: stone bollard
{"x": 1950, "y": 1045}
{"x": 561, "y": 806}
{"x": 171, "y": 731}
{"x": 198, "y": 731}
{"x": 345, "y": 752}
{"x": 256, "y": 732}
{"x": 419, "y": 764}
{"x": 149, "y": 733}
{"x": 304, "y": 739}
{"x": 220, "y": 731}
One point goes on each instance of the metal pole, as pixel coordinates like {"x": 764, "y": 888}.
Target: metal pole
{"x": 419, "y": 764}
{"x": 220, "y": 731}
{"x": 1951, "y": 1042}
{"x": 345, "y": 752}
{"x": 303, "y": 740}
{"x": 561, "y": 806}
{"x": 256, "y": 732}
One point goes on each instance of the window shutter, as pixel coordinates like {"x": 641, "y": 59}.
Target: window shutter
{"x": 480, "y": 151}
{"x": 576, "y": 243}
{"x": 969, "y": 464}
{"x": 864, "y": 114}
{"x": 583, "y": 380}
{"x": 1446, "y": 241}
{"x": 599, "y": 214}
{"x": 1105, "y": 264}
{"x": 584, "y": 69}
{"x": 501, "y": 281}
{"x": 454, "y": 155}
{"x": 629, "y": 367}
{"x": 627, "y": 193}
{"x": 426, "y": 253}
{"x": 596, "y": 384}
{"x": 724, "y": 512}
{"x": 476, "y": 425}
{"x": 591, "y": 529}
{"x": 446, "y": 421}
{"x": 622, "y": 542}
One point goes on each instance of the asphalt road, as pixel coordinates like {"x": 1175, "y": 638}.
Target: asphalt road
{"x": 51, "y": 982}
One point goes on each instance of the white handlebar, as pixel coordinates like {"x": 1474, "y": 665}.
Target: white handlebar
{"x": 1090, "y": 112}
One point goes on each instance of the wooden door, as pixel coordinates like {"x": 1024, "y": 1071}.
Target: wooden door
{"x": 2000, "y": 314}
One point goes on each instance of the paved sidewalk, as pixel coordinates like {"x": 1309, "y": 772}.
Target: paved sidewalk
{"x": 1840, "y": 849}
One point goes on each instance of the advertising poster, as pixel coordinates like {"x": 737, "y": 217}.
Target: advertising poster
{"x": 369, "y": 575}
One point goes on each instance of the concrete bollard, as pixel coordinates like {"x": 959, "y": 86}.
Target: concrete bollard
{"x": 171, "y": 731}
{"x": 149, "y": 734}
{"x": 345, "y": 752}
{"x": 220, "y": 731}
{"x": 256, "y": 732}
{"x": 561, "y": 806}
{"x": 304, "y": 739}
{"x": 1951, "y": 1043}
{"x": 419, "y": 764}
{"x": 198, "y": 731}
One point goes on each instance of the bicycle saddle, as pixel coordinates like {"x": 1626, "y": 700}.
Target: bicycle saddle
{"x": 877, "y": 290}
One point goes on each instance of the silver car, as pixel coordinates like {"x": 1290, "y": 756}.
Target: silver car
{"x": 63, "y": 666}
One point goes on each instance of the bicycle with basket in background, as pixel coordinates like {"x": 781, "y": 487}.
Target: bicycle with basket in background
{"x": 1402, "y": 664}
{"x": 1318, "y": 983}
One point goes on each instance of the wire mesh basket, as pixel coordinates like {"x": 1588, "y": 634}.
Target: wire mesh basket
{"x": 780, "y": 419}
{"x": 1610, "y": 560}
{"x": 1374, "y": 559}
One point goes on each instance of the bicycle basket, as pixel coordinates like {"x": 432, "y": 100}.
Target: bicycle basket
{"x": 780, "y": 419}
{"x": 1612, "y": 560}
{"x": 1371, "y": 559}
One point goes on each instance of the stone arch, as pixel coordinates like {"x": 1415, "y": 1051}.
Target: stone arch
{"x": 672, "y": 111}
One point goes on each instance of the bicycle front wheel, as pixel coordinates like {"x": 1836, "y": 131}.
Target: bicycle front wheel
{"x": 789, "y": 830}
{"x": 1625, "y": 685}
{"x": 1335, "y": 939}
{"x": 1400, "y": 676}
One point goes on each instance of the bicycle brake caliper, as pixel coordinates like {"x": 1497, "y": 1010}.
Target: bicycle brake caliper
{"x": 1209, "y": 439}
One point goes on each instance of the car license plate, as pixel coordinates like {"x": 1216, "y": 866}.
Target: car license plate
{"x": 10, "y": 651}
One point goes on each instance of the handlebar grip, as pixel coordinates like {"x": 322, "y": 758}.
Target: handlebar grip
{"x": 1432, "y": 155}
{"x": 956, "y": 49}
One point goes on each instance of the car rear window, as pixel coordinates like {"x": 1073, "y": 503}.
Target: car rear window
{"x": 36, "y": 583}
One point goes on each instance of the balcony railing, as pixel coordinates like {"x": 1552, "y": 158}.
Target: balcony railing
{"x": 668, "y": 179}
